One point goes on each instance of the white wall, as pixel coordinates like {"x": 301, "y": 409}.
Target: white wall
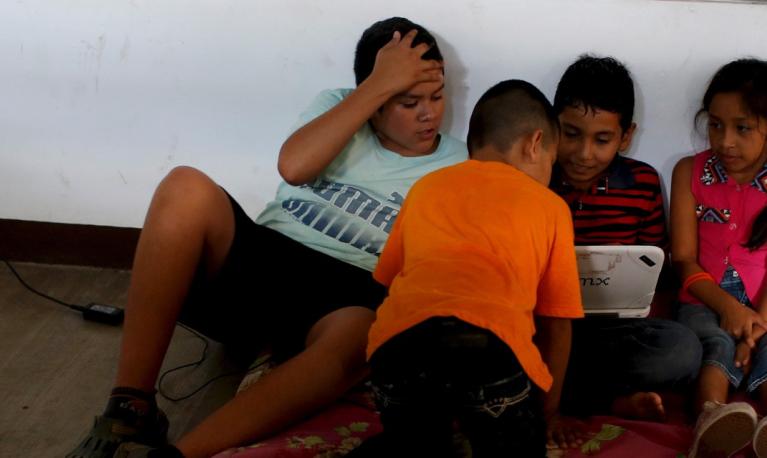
{"x": 99, "y": 99}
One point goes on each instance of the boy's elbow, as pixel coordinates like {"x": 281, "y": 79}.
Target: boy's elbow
{"x": 289, "y": 175}
{"x": 291, "y": 171}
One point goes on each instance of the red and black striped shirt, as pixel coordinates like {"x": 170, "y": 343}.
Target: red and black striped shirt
{"x": 624, "y": 206}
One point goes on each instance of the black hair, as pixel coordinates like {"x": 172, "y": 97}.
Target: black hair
{"x": 758, "y": 231}
{"x": 597, "y": 83}
{"x": 747, "y": 77}
{"x": 380, "y": 33}
{"x": 507, "y": 111}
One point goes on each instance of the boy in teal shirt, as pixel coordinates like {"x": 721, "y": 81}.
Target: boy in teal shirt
{"x": 203, "y": 261}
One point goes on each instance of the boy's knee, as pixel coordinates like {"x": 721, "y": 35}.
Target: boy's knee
{"x": 182, "y": 180}
{"x": 186, "y": 189}
{"x": 188, "y": 204}
{"x": 688, "y": 354}
{"x": 342, "y": 334}
{"x": 674, "y": 354}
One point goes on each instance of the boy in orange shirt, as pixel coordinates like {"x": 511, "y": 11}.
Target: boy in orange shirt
{"x": 479, "y": 257}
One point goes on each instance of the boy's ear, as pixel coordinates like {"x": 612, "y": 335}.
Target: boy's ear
{"x": 626, "y": 138}
{"x": 534, "y": 150}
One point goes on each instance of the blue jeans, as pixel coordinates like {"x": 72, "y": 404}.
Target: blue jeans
{"x": 718, "y": 345}
{"x": 617, "y": 357}
{"x": 444, "y": 376}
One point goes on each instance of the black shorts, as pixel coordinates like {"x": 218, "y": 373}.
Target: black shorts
{"x": 271, "y": 290}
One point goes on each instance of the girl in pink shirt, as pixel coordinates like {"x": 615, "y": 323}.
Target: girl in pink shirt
{"x": 718, "y": 229}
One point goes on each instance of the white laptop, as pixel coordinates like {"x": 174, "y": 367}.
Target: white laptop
{"x": 618, "y": 280}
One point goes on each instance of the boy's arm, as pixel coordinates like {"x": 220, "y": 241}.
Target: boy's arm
{"x": 558, "y": 301}
{"x": 553, "y": 338}
{"x": 398, "y": 67}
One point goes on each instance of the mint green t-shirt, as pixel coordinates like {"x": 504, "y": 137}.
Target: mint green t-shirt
{"x": 348, "y": 211}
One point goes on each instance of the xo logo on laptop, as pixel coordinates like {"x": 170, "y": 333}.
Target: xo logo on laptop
{"x": 595, "y": 281}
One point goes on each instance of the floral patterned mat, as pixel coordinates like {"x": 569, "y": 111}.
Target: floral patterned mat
{"x": 341, "y": 427}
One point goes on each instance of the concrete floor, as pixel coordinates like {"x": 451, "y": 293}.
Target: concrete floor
{"x": 56, "y": 369}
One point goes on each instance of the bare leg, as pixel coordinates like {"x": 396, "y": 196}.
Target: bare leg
{"x": 333, "y": 361}
{"x": 190, "y": 219}
{"x": 713, "y": 385}
{"x": 642, "y": 405}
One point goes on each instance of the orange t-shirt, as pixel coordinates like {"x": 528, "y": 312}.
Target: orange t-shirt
{"x": 483, "y": 242}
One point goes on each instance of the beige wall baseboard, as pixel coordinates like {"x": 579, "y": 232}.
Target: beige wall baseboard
{"x": 56, "y": 243}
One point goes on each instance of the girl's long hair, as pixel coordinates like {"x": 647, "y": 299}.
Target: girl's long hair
{"x": 758, "y": 231}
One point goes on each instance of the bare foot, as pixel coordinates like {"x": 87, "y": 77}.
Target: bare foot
{"x": 641, "y": 405}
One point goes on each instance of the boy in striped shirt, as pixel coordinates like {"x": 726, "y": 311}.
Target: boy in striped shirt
{"x": 620, "y": 365}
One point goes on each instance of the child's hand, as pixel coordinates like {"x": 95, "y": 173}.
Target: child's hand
{"x": 399, "y": 66}
{"x": 743, "y": 356}
{"x": 566, "y": 432}
{"x": 739, "y": 320}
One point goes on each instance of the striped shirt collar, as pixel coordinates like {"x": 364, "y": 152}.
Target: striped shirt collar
{"x": 618, "y": 175}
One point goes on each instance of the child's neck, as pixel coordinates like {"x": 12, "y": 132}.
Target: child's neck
{"x": 749, "y": 173}
{"x": 742, "y": 178}
{"x": 745, "y": 176}
{"x": 490, "y": 154}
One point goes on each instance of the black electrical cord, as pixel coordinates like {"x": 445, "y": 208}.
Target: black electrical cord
{"x": 160, "y": 389}
{"x": 53, "y": 299}
{"x": 103, "y": 313}
{"x": 195, "y": 364}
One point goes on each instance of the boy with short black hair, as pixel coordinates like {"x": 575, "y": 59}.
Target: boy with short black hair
{"x": 480, "y": 257}
{"x": 203, "y": 261}
{"x": 617, "y": 365}
{"x": 595, "y": 105}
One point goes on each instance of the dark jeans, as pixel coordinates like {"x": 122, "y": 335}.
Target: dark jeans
{"x": 718, "y": 345}
{"x": 617, "y": 357}
{"x": 445, "y": 378}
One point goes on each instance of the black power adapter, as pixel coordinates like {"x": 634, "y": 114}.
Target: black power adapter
{"x": 103, "y": 313}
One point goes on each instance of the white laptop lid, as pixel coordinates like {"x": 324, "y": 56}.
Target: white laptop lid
{"x": 618, "y": 280}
